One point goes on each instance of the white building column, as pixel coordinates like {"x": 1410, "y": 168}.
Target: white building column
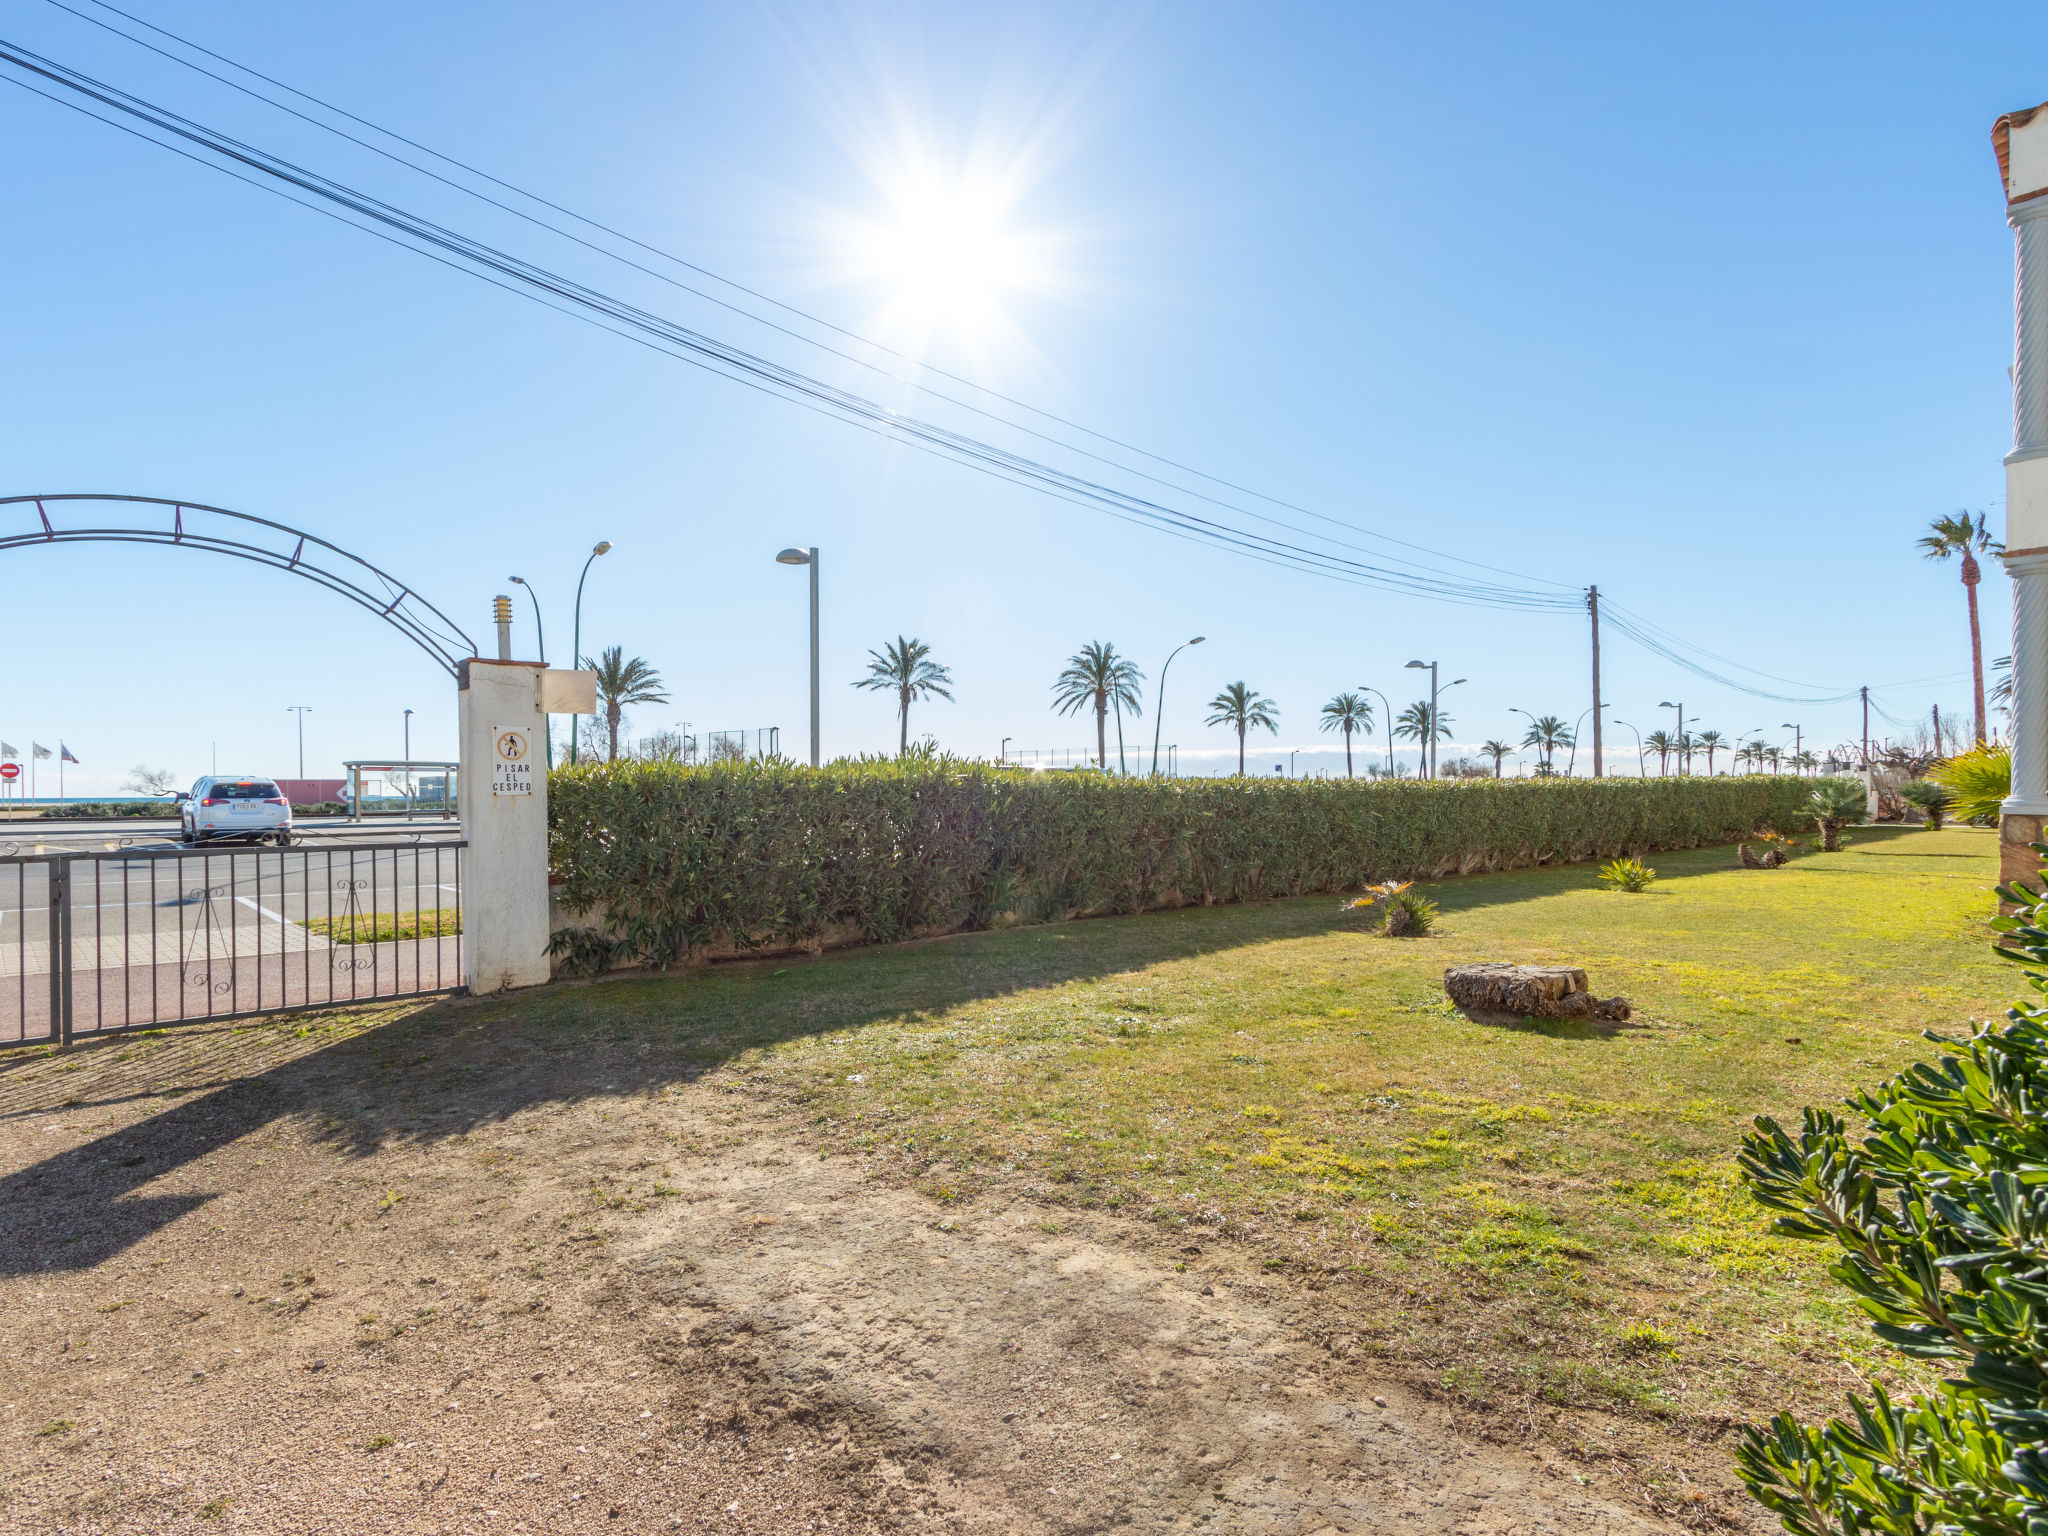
{"x": 2021, "y": 140}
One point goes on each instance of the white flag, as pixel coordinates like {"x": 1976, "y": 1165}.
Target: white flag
{"x": 39, "y": 749}
{"x": 7, "y": 753}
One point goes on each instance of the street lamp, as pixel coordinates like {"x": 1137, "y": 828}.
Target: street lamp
{"x": 1430, "y": 744}
{"x": 541, "y": 638}
{"x": 1667, "y": 704}
{"x": 809, "y": 557}
{"x": 301, "y": 710}
{"x": 602, "y": 547}
{"x": 406, "y": 726}
{"x": 1388, "y": 711}
{"x": 1003, "y": 753}
{"x": 1159, "y": 703}
{"x": 1641, "y": 771}
{"x": 1572, "y": 760}
{"x": 1799, "y": 739}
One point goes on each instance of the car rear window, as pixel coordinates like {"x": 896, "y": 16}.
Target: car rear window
{"x": 253, "y": 789}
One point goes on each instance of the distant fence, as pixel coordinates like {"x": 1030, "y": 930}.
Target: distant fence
{"x": 702, "y": 748}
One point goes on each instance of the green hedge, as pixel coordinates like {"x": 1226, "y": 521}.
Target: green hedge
{"x": 670, "y": 860}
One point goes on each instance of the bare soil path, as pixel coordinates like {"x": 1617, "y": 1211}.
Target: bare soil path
{"x": 413, "y": 1272}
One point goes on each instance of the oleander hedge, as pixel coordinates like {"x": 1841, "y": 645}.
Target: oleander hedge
{"x": 658, "y": 863}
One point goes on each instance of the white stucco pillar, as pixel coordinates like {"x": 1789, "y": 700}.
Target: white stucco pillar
{"x": 2021, "y": 140}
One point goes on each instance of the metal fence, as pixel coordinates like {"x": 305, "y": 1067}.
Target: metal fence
{"x": 140, "y": 938}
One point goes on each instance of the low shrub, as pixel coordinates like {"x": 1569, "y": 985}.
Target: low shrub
{"x": 669, "y": 861}
{"x": 1937, "y": 1206}
{"x": 1627, "y": 875}
{"x": 1932, "y": 799}
{"x": 97, "y": 810}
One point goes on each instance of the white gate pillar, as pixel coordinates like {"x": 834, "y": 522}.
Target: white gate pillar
{"x": 2021, "y": 139}
{"x": 502, "y": 794}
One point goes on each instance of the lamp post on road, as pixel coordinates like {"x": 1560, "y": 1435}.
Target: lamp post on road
{"x": 810, "y": 557}
{"x": 1667, "y": 704}
{"x": 1003, "y": 753}
{"x": 1434, "y": 727}
{"x": 540, "y": 636}
{"x": 1388, "y": 710}
{"x": 1640, "y": 773}
{"x": 1570, "y": 761}
{"x": 1159, "y": 703}
{"x": 301, "y": 710}
{"x": 602, "y": 547}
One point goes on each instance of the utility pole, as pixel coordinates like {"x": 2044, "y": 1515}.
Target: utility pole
{"x": 1937, "y": 730}
{"x": 1865, "y": 691}
{"x": 1593, "y": 607}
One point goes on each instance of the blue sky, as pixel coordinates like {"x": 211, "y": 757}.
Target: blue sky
{"x": 1709, "y": 307}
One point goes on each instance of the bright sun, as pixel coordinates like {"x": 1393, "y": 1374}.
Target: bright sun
{"x": 947, "y": 259}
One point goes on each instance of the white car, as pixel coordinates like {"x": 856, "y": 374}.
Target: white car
{"x": 234, "y": 805}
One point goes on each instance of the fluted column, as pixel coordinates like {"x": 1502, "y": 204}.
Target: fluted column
{"x": 2021, "y": 140}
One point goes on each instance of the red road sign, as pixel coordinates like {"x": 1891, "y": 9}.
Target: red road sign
{"x": 10, "y": 770}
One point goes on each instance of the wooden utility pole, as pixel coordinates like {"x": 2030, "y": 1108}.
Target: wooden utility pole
{"x": 1866, "y": 727}
{"x": 1593, "y": 607}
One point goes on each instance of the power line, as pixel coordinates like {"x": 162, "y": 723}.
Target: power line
{"x": 668, "y": 256}
{"x": 479, "y": 259}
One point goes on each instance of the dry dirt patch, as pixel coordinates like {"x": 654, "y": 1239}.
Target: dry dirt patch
{"x": 402, "y": 1272}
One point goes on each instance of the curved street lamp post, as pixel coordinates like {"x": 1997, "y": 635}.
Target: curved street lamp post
{"x": 540, "y": 636}
{"x": 602, "y": 547}
{"x": 1159, "y": 704}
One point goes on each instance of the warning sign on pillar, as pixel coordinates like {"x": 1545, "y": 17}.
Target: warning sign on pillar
{"x": 511, "y": 761}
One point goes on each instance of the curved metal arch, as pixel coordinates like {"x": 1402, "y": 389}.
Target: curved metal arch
{"x": 319, "y": 561}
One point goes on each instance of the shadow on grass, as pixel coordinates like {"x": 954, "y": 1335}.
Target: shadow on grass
{"x": 452, "y": 1068}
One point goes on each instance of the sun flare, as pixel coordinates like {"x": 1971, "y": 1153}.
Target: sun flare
{"x": 948, "y": 259}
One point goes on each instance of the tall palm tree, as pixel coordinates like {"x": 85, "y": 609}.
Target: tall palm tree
{"x": 1772, "y": 755}
{"x": 1413, "y": 724}
{"x": 1097, "y": 676}
{"x": 1805, "y": 762}
{"x": 1659, "y": 742}
{"x": 1348, "y": 712}
{"x": 1546, "y": 736}
{"x": 905, "y": 668}
{"x": 1496, "y": 750}
{"x": 619, "y": 683}
{"x": 1710, "y": 743}
{"x": 1240, "y": 708}
{"x": 1965, "y": 535}
{"x": 1683, "y": 747}
{"x": 1759, "y": 754}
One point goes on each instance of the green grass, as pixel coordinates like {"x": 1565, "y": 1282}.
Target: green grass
{"x": 385, "y": 927}
{"x": 1542, "y": 1212}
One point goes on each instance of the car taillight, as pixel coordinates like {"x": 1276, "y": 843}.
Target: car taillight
{"x": 278, "y": 801}
{"x": 209, "y": 800}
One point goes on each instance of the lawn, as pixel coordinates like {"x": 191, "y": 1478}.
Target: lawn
{"x": 385, "y": 927}
{"x": 1528, "y": 1215}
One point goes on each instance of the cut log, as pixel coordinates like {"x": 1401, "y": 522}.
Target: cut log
{"x": 1529, "y": 991}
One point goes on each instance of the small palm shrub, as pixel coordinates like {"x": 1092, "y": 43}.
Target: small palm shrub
{"x": 1937, "y": 1206}
{"x": 1931, "y": 798}
{"x": 1410, "y": 915}
{"x": 1979, "y": 779}
{"x": 1836, "y": 803}
{"x": 1627, "y": 875}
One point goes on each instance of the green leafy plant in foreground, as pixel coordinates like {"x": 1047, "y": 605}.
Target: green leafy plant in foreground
{"x": 1940, "y": 1208}
{"x": 1980, "y": 779}
{"x": 1627, "y": 875}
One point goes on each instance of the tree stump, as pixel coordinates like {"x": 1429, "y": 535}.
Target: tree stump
{"x": 1530, "y": 991}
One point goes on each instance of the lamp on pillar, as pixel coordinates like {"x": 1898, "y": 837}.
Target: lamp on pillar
{"x": 2021, "y": 140}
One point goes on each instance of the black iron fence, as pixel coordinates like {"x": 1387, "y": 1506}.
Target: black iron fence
{"x": 141, "y": 938}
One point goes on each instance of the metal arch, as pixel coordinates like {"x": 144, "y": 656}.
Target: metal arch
{"x": 303, "y": 554}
